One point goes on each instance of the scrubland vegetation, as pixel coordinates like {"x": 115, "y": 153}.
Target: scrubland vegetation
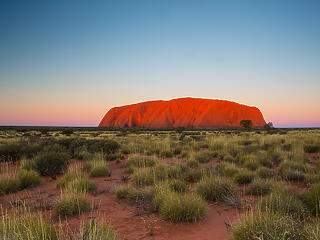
{"x": 271, "y": 176}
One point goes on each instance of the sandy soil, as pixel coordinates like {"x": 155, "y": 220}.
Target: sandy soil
{"x": 129, "y": 220}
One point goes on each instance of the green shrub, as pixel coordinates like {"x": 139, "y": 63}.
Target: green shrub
{"x": 244, "y": 176}
{"x": 264, "y": 172}
{"x": 217, "y": 189}
{"x": 267, "y": 226}
{"x": 72, "y": 204}
{"x": 312, "y": 199}
{"x": 51, "y": 163}
{"x": 283, "y": 202}
{"x": 179, "y": 208}
{"x": 8, "y": 184}
{"x": 26, "y": 227}
{"x": 259, "y": 187}
{"x": 106, "y": 146}
{"x": 141, "y": 161}
{"x": 98, "y": 231}
{"x": 75, "y": 181}
{"x": 28, "y": 178}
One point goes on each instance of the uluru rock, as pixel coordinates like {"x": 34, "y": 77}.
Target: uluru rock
{"x": 182, "y": 112}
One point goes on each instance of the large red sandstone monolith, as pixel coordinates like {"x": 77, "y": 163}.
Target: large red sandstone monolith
{"x": 182, "y": 112}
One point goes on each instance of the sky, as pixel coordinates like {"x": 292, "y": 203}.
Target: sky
{"x": 66, "y": 63}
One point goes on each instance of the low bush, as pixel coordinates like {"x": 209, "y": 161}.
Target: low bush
{"x": 217, "y": 189}
{"x": 28, "y": 178}
{"x": 106, "y": 146}
{"x": 52, "y": 163}
{"x": 72, "y": 204}
{"x": 244, "y": 176}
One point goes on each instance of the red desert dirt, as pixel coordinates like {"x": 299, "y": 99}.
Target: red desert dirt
{"x": 196, "y": 113}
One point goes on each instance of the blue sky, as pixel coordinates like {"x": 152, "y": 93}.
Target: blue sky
{"x": 68, "y": 62}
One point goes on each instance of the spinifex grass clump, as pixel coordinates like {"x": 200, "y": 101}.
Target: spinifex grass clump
{"x": 313, "y": 231}
{"x": 268, "y": 226}
{"x": 142, "y": 177}
{"x": 227, "y": 169}
{"x": 244, "y": 176}
{"x": 97, "y": 231}
{"x": 264, "y": 172}
{"x": 259, "y": 187}
{"x": 26, "y": 226}
{"x": 217, "y": 189}
{"x": 203, "y": 156}
{"x": 52, "y": 163}
{"x": 72, "y": 204}
{"x": 74, "y": 180}
{"x": 179, "y": 186}
{"x": 8, "y": 184}
{"x": 293, "y": 171}
{"x": 97, "y": 168}
{"x": 311, "y": 148}
{"x": 28, "y": 178}
{"x": 141, "y": 161}
{"x": 283, "y": 202}
{"x": 178, "y": 208}
{"x": 312, "y": 199}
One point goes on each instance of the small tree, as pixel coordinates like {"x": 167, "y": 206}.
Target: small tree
{"x": 268, "y": 126}
{"x": 247, "y": 124}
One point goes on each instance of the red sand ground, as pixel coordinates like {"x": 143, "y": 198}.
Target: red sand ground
{"x": 183, "y": 112}
{"x": 130, "y": 221}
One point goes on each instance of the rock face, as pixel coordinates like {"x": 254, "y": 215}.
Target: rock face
{"x": 182, "y": 112}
